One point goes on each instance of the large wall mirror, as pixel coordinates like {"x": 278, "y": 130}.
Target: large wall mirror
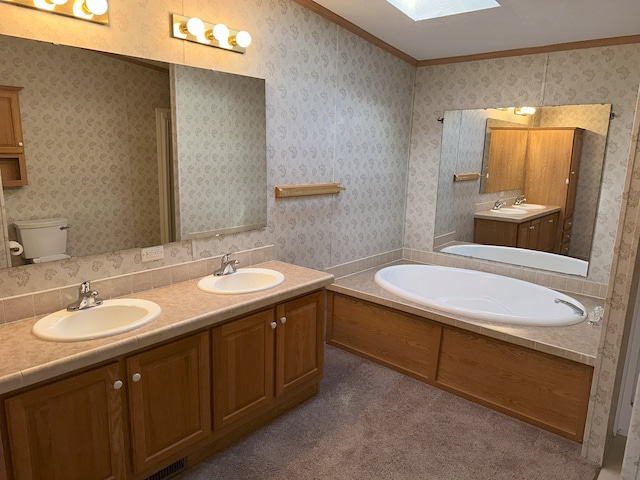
{"x": 134, "y": 153}
{"x": 466, "y": 147}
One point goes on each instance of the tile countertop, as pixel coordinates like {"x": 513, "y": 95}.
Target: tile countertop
{"x": 574, "y": 342}
{"x": 26, "y": 359}
{"x": 519, "y": 218}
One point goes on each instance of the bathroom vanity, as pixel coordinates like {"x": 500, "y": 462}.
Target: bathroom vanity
{"x": 535, "y": 229}
{"x": 209, "y": 370}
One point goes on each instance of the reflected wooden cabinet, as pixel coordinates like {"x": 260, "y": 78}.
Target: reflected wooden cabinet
{"x": 169, "y": 399}
{"x": 551, "y": 174}
{"x": 265, "y": 356}
{"x": 536, "y": 234}
{"x": 69, "y": 430}
{"x": 507, "y": 154}
{"x": 12, "y": 160}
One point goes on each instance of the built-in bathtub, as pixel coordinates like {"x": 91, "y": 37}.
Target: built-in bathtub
{"x": 521, "y": 256}
{"x": 481, "y": 296}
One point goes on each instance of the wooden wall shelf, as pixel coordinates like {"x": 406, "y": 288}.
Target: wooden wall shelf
{"x": 287, "y": 191}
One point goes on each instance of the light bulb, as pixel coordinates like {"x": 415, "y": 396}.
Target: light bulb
{"x": 96, "y": 7}
{"x": 58, "y": 2}
{"x": 221, "y": 33}
{"x": 243, "y": 39}
{"x": 195, "y": 27}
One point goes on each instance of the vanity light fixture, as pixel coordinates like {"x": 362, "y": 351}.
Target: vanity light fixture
{"x": 91, "y": 10}
{"x": 216, "y": 35}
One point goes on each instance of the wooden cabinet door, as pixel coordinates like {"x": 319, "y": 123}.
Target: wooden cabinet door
{"x": 10, "y": 122}
{"x": 507, "y": 154}
{"x": 69, "y": 430}
{"x": 243, "y": 365}
{"x": 548, "y": 232}
{"x": 300, "y": 341}
{"x": 169, "y": 399}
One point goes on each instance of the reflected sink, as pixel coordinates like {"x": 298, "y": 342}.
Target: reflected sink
{"x": 531, "y": 206}
{"x": 509, "y": 211}
{"x": 111, "y": 318}
{"x": 244, "y": 280}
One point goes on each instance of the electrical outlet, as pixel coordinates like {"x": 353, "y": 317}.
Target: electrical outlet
{"x": 150, "y": 254}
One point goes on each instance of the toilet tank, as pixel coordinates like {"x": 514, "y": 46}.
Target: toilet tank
{"x": 44, "y": 237}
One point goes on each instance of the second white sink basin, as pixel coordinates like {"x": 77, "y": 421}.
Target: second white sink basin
{"x": 509, "y": 211}
{"x": 111, "y": 318}
{"x": 244, "y": 280}
{"x": 531, "y": 206}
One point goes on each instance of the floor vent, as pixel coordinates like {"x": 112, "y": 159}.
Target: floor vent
{"x": 169, "y": 471}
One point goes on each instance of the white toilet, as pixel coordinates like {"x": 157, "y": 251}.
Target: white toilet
{"x": 43, "y": 240}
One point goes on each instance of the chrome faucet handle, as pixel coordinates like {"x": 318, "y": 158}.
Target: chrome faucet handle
{"x": 498, "y": 204}
{"x": 87, "y": 298}
{"x": 520, "y": 199}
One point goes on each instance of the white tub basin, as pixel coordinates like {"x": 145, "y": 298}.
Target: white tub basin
{"x": 244, "y": 280}
{"x": 481, "y": 296}
{"x": 509, "y": 211}
{"x": 111, "y": 318}
{"x": 531, "y": 206}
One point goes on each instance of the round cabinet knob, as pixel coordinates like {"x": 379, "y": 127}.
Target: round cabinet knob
{"x": 136, "y": 377}
{"x": 283, "y": 320}
{"x": 20, "y": 144}
{"x": 117, "y": 384}
{"x": 273, "y": 325}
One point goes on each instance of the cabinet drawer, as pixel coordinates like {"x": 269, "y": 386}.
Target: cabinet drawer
{"x": 568, "y": 223}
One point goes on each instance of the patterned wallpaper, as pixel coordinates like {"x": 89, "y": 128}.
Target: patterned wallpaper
{"x": 221, "y": 152}
{"x": 90, "y": 142}
{"x": 597, "y": 75}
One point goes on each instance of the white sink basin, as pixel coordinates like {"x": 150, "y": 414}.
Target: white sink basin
{"x": 509, "y": 211}
{"x": 531, "y": 206}
{"x": 111, "y": 318}
{"x": 244, "y": 280}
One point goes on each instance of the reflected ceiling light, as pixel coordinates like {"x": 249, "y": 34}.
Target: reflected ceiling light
{"x": 213, "y": 34}
{"x": 91, "y": 10}
{"x": 524, "y": 110}
{"x": 425, "y": 9}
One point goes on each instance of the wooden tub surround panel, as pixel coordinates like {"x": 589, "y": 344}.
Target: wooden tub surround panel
{"x": 541, "y": 389}
{"x": 400, "y": 341}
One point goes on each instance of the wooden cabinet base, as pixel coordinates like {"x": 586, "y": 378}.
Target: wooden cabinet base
{"x": 541, "y": 389}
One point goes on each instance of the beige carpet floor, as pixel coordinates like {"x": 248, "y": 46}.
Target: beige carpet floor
{"x": 370, "y": 422}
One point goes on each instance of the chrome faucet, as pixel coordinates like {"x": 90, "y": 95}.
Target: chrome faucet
{"x": 86, "y": 299}
{"x": 520, "y": 199}
{"x": 498, "y": 204}
{"x": 227, "y": 266}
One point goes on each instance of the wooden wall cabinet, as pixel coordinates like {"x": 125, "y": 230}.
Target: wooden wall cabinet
{"x": 537, "y": 234}
{"x": 12, "y": 160}
{"x": 265, "y": 356}
{"x": 507, "y": 154}
{"x": 544, "y": 390}
{"x": 551, "y": 174}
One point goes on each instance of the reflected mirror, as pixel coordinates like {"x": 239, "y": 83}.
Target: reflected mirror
{"x": 467, "y": 147}
{"x": 131, "y": 152}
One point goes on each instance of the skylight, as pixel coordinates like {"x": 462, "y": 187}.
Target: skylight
{"x": 425, "y": 9}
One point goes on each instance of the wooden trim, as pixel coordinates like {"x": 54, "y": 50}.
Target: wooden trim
{"x": 353, "y": 28}
{"x": 560, "y": 47}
